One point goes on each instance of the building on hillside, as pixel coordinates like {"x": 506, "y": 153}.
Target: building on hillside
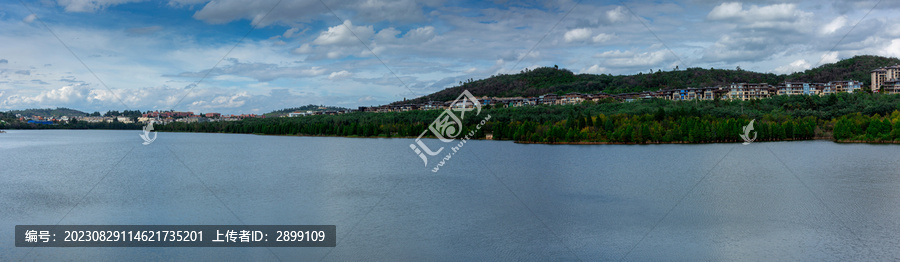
{"x": 486, "y": 100}
{"x": 145, "y": 119}
{"x": 884, "y": 75}
{"x": 597, "y": 97}
{"x": 750, "y": 91}
{"x": 668, "y": 94}
{"x": 630, "y": 97}
{"x": 510, "y": 101}
{"x": 403, "y": 108}
{"x": 298, "y": 113}
{"x": 846, "y": 86}
{"x": 94, "y": 119}
{"x": 795, "y": 88}
{"x": 432, "y": 105}
{"x": 168, "y": 114}
{"x": 820, "y": 89}
{"x": 385, "y": 109}
{"x": 891, "y": 87}
{"x": 549, "y": 99}
{"x": 701, "y": 93}
{"x": 193, "y": 119}
{"x": 123, "y": 119}
{"x": 572, "y": 98}
{"x": 463, "y": 104}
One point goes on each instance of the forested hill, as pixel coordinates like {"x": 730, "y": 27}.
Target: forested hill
{"x": 47, "y": 112}
{"x": 554, "y": 80}
{"x": 857, "y": 68}
{"x": 310, "y": 107}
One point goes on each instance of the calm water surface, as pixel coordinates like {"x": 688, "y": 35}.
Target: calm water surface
{"x": 496, "y": 200}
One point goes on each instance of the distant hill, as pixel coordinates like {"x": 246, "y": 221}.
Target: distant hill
{"x": 47, "y": 112}
{"x": 310, "y": 107}
{"x": 857, "y": 68}
{"x": 554, "y": 80}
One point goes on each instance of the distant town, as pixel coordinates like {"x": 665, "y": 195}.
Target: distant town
{"x": 159, "y": 117}
{"x": 884, "y": 80}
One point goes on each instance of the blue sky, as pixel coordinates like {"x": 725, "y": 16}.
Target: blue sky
{"x": 150, "y": 54}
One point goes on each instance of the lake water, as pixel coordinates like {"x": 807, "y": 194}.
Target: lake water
{"x": 495, "y": 200}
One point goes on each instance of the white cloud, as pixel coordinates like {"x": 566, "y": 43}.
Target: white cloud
{"x": 740, "y": 48}
{"x": 594, "y": 69}
{"x": 341, "y": 34}
{"x": 293, "y": 12}
{"x": 339, "y": 75}
{"x": 796, "y": 66}
{"x": 263, "y": 72}
{"x": 365, "y": 99}
{"x": 735, "y": 10}
{"x": 601, "y": 37}
{"x": 303, "y": 49}
{"x": 391, "y": 10}
{"x": 420, "y": 34}
{"x": 222, "y": 102}
{"x": 726, "y": 10}
{"x": 66, "y": 95}
{"x": 30, "y": 18}
{"x": 835, "y": 25}
{"x": 632, "y": 59}
{"x": 290, "y": 32}
{"x": 387, "y": 36}
{"x": 617, "y": 15}
{"x": 201, "y": 99}
{"x": 577, "y": 35}
{"x": 830, "y": 57}
{"x": 776, "y": 16}
{"x": 90, "y": 5}
{"x": 893, "y": 49}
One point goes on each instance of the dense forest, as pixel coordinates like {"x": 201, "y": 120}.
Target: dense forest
{"x": 848, "y": 116}
{"x": 874, "y": 128}
{"x": 554, "y": 80}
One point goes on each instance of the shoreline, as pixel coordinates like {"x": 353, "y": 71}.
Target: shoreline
{"x": 596, "y": 143}
{"x": 662, "y": 143}
{"x": 528, "y": 142}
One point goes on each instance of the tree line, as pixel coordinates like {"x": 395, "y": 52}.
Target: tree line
{"x": 843, "y": 117}
{"x": 846, "y": 116}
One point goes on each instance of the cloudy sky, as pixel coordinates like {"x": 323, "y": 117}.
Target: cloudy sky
{"x": 239, "y": 56}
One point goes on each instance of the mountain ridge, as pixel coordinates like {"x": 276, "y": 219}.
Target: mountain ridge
{"x": 544, "y": 80}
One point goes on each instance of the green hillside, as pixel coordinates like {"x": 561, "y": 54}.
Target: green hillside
{"x": 554, "y": 80}
{"x": 857, "y": 68}
{"x": 47, "y": 112}
{"x": 310, "y": 107}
